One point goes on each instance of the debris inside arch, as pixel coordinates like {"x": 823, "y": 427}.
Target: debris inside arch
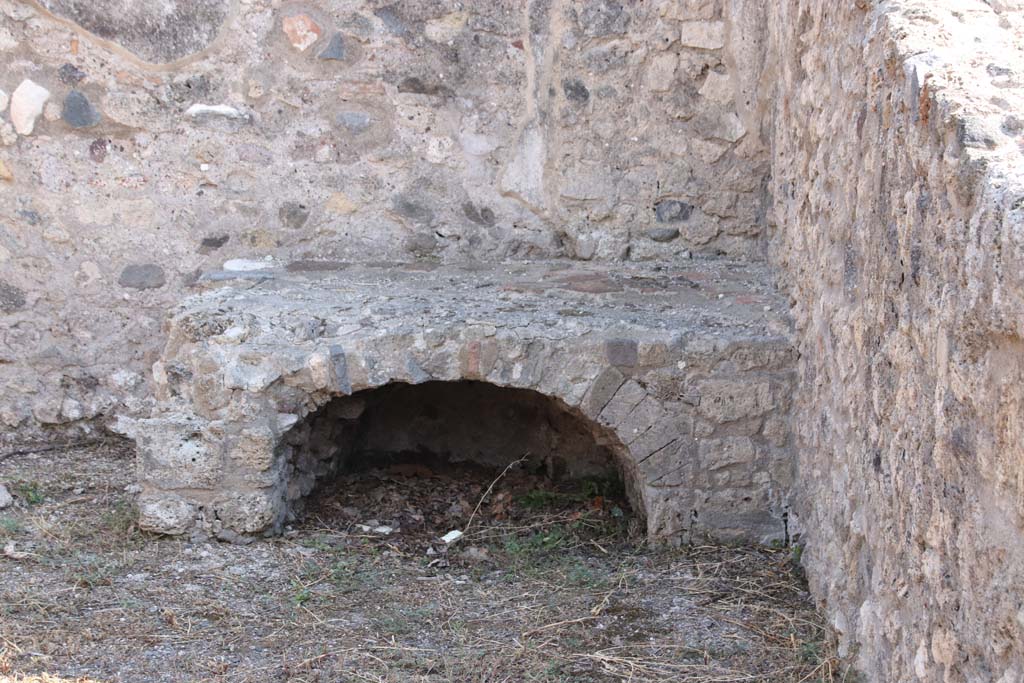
{"x": 445, "y": 429}
{"x": 414, "y": 504}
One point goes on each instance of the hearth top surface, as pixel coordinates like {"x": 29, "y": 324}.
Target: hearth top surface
{"x": 549, "y": 299}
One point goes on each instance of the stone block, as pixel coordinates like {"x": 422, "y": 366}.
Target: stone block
{"x": 673, "y": 465}
{"x": 670, "y": 428}
{"x": 165, "y": 513}
{"x": 173, "y": 459}
{"x": 718, "y": 88}
{"x": 645, "y": 416}
{"x": 661, "y": 72}
{"x": 621, "y": 352}
{"x": 727, "y": 453}
{"x": 601, "y": 391}
{"x": 250, "y": 512}
{"x": 704, "y": 35}
{"x": 726, "y": 400}
{"x": 622, "y": 403}
{"x": 253, "y": 449}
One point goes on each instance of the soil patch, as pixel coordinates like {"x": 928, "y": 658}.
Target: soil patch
{"x": 547, "y": 584}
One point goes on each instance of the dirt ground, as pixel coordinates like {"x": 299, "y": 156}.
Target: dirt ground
{"x": 546, "y": 585}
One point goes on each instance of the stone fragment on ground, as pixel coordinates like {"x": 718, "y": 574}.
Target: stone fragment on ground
{"x": 452, "y": 536}
{"x": 6, "y": 499}
{"x": 11, "y": 551}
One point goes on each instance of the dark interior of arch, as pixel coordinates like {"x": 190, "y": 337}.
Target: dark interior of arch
{"x": 448, "y": 424}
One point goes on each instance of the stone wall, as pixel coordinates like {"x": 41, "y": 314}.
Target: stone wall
{"x": 898, "y": 225}
{"x": 145, "y": 143}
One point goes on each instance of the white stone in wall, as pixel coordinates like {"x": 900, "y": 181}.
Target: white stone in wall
{"x": 239, "y": 265}
{"x": 27, "y": 104}
{"x": 225, "y": 110}
{"x": 3, "y": 100}
{"x": 705, "y": 35}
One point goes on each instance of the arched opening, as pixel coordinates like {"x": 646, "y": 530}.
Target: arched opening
{"x": 454, "y": 439}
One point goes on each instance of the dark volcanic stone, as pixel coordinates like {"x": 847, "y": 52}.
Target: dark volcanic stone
{"x": 157, "y": 32}
{"x": 421, "y": 244}
{"x": 482, "y": 216}
{"x": 78, "y": 111}
{"x": 416, "y": 86}
{"x": 142, "y": 276}
{"x": 293, "y": 214}
{"x": 392, "y": 20}
{"x": 31, "y": 216}
{"x": 98, "y": 149}
{"x": 335, "y": 49}
{"x": 412, "y": 209}
{"x": 575, "y": 90}
{"x": 309, "y": 266}
{"x": 672, "y": 211}
{"x": 11, "y": 298}
{"x": 621, "y": 352}
{"x": 70, "y": 74}
{"x": 215, "y": 242}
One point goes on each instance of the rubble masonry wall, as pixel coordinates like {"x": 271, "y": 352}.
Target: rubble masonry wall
{"x": 898, "y": 225}
{"x": 172, "y": 137}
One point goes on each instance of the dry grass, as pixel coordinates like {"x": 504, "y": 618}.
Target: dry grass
{"x": 532, "y": 593}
